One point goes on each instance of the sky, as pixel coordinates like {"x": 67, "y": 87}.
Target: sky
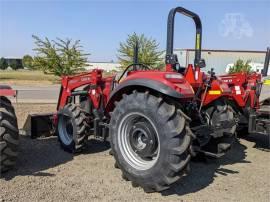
{"x": 102, "y": 25}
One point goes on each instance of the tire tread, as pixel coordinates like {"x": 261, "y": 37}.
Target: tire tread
{"x": 9, "y": 135}
{"x": 178, "y": 144}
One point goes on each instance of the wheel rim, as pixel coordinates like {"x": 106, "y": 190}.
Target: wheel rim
{"x": 138, "y": 141}
{"x": 65, "y": 128}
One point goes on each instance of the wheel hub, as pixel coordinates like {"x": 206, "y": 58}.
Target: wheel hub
{"x": 143, "y": 139}
{"x": 138, "y": 141}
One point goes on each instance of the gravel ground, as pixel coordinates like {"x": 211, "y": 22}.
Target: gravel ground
{"x": 46, "y": 173}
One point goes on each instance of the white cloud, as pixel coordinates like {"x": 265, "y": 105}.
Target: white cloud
{"x": 235, "y": 25}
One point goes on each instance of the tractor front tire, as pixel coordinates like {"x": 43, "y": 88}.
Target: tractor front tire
{"x": 220, "y": 112}
{"x": 150, "y": 140}
{"x": 71, "y": 128}
{"x": 220, "y": 116}
{"x": 9, "y": 135}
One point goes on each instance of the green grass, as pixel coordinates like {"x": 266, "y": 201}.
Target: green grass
{"x": 27, "y": 76}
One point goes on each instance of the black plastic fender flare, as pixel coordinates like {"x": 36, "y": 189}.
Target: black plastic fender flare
{"x": 136, "y": 84}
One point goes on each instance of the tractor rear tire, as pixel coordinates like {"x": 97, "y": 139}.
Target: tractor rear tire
{"x": 71, "y": 129}
{"x": 9, "y": 135}
{"x": 150, "y": 140}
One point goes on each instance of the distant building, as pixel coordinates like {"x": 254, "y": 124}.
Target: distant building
{"x": 106, "y": 66}
{"x": 12, "y": 60}
{"x": 220, "y": 59}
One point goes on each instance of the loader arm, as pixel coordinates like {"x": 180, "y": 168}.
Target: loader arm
{"x": 70, "y": 83}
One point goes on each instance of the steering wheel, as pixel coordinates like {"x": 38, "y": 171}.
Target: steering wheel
{"x": 135, "y": 68}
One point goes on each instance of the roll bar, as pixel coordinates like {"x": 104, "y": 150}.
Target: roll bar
{"x": 266, "y": 62}
{"x": 170, "y": 34}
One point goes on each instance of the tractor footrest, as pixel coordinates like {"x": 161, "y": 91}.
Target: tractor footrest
{"x": 38, "y": 125}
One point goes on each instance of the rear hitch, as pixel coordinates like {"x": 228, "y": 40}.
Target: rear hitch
{"x": 216, "y": 147}
{"x": 222, "y": 148}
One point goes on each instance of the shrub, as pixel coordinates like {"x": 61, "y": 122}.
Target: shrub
{"x": 240, "y": 66}
{"x": 28, "y": 62}
{"x": 148, "y": 52}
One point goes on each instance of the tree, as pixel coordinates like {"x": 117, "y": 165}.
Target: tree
{"x": 60, "y": 57}
{"x": 15, "y": 64}
{"x": 3, "y": 64}
{"x": 240, "y": 66}
{"x": 28, "y": 62}
{"x": 148, "y": 53}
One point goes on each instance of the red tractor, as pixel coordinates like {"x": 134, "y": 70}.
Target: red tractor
{"x": 9, "y": 133}
{"x": 155, "y": 120}
{"x": 252, "y": 113}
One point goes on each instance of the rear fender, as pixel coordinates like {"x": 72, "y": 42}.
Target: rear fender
{"x": 143, "y": 84}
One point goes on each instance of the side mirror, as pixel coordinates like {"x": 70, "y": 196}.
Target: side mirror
{"x": 202, "y": 63}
